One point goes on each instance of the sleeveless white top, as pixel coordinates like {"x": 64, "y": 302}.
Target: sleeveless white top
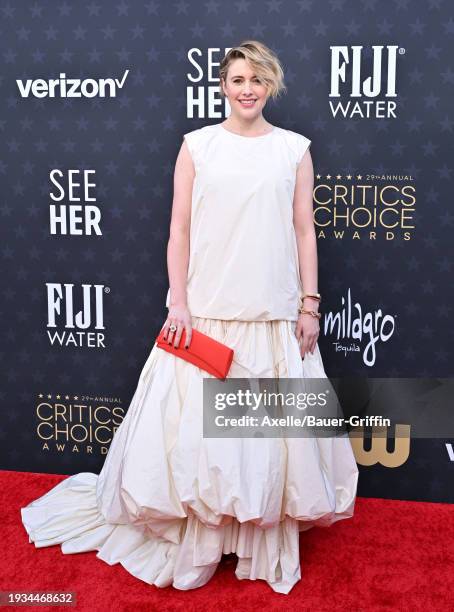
{"x": 243, "y": 261}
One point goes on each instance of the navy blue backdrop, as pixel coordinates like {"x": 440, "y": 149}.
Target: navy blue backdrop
{"x": 95, "y": 99}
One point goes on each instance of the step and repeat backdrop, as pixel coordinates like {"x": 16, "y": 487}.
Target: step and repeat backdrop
{"x": 95, "y": 100}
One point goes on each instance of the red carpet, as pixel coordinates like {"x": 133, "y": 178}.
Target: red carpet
{"x": 393, "y": 555}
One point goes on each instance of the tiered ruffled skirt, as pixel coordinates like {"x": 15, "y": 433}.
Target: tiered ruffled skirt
{"x": 169, "y": 502}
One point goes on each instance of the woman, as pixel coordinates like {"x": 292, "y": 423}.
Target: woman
{"x": 169, "y": 502}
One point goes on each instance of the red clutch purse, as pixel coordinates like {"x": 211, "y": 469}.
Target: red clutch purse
{"x": 204, "y": 352}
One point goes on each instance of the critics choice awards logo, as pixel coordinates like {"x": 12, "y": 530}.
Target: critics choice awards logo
{"x": 75, "y": 424}
{"x": 364, "y": 207}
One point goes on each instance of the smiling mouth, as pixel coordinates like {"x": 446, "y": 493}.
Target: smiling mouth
{"x": 250, "y": 102}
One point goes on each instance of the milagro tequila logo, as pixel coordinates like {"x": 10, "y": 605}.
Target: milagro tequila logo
{"x": 348, "y": 66}
{"x": 79, "y": 328}
{"x": 70, "y": 88}
{"x": 369, "y": 326}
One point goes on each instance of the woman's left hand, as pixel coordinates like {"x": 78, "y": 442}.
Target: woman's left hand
{"x": 307, "y": 329}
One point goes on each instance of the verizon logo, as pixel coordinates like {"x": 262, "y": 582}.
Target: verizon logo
{"x": 70, "y": 88}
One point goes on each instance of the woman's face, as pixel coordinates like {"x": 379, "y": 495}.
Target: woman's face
{"x": 241, "y": 85}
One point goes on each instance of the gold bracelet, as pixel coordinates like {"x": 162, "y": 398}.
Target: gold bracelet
{"x": 314, "y": 314}
{"x": 316, "y": 296}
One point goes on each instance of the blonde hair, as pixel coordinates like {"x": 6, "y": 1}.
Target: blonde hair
{"x": 262, "y": 60}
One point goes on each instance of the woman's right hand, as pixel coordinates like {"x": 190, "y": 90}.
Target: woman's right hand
{"x": 180, "y": 316}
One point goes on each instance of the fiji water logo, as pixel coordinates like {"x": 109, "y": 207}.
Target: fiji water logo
{"x": 352, "y": 327}
{"x": 367, "y": 86}
{"x": 75, "y": 315}
{"x": 71, "y": 88}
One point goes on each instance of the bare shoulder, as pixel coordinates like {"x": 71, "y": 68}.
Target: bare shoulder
{"x": 184, "y": 165}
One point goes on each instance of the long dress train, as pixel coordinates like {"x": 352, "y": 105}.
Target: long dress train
{"x": 168, "y": 502}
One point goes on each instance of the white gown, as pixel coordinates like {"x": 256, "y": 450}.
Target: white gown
{"x": 168, "y": 502}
